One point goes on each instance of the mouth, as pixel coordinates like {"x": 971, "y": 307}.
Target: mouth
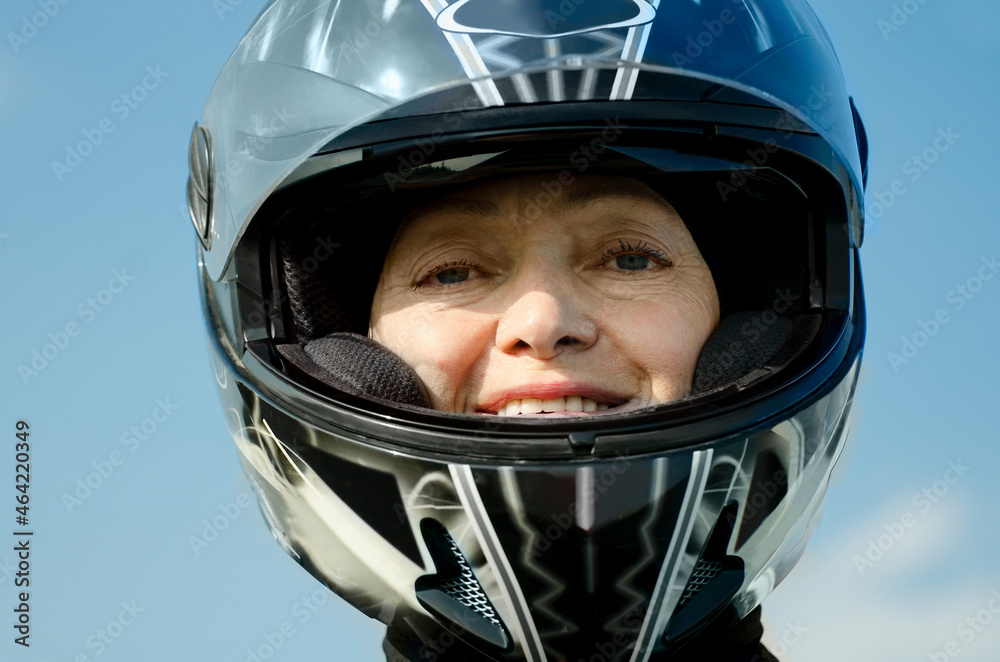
{"x": 560, "y": 406}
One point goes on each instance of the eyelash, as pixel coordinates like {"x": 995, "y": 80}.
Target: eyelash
{"x": 444, "y": 267}
{"x": 642, "y": 248}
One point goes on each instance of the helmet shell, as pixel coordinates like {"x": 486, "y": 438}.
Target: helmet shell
{"x": 309, "y": 71}
{"x": 527, "y": 544}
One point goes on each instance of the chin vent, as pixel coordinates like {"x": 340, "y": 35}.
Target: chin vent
{"x": 716, "y": 579}
{"x": 703, "y": 573}
{"x": 466, "y": 588}
{"x": 454, "y": 594}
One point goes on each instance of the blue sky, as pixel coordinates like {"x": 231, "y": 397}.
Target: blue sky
{"x": 106, "y": 247}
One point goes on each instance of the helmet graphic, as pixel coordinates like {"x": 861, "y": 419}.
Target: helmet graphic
{"x": 621, "y": 534}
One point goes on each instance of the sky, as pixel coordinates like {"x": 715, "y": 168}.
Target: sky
{"x": 99, "y": 260}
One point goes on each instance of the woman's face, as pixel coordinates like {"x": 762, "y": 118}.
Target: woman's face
{"x": 524, "y": 297}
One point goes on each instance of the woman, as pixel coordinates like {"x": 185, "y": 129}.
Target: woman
{"x": 537, "y": 328}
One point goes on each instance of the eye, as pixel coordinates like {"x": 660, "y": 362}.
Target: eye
{"x": 450, "y": 273}
{"x": 629, "y": 258}
{"x": 452, "y": 276}
{"x": 631, "y": 262}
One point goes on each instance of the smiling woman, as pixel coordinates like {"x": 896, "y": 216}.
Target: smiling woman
{"x": 538, "y": 336}
{"x": 528, "y": 314}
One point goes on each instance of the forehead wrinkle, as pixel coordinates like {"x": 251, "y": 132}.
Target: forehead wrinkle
{"x": 580, "y": 197}
{"x": 477, "y": 208}
{"x": 441, "y": 212}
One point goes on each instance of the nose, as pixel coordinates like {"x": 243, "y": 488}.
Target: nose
{"x": 545, "y": 320}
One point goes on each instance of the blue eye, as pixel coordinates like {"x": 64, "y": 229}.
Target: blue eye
{"x": 632, "y": 262}
{"x": 641, "y": 257}
{"x": 452, "y": 276}
{"x": 448, "y": 274}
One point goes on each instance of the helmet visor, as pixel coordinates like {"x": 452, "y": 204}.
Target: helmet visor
{"x": 310, "y": 70}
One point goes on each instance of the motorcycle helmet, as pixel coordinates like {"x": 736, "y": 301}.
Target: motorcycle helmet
{"x": 620, "y": 535}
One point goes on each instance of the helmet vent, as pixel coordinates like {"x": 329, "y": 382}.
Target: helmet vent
{"x": 466, "y": 588}
{"x": 715, "y": 580}
{"x": 454, "y": 594}
{"x": 703, "y": 573}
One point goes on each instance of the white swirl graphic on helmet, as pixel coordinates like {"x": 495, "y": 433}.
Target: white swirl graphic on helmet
{"x": 543, "y": 19}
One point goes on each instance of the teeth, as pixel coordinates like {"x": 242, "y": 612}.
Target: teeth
{"x": 531, "y": 406}
{"x": 537, "y": 406}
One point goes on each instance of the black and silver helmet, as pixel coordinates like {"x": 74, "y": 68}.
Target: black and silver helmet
{"x": 533, "y": 539}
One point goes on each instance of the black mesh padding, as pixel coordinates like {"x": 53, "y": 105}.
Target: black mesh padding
{"x": 331, "y": 256}
{"x": 743, "y": 342}
{"x": 316, "y": 306}
{"x": 359, "y": 365}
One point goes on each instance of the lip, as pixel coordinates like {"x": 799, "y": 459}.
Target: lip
{"x": 554, "y": 390}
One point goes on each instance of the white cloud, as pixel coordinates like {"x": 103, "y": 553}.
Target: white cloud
{"x": 894, "y": 610}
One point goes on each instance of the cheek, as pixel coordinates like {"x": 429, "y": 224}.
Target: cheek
{"x": 664, "y": 339}
{"x": 442, "y": 347}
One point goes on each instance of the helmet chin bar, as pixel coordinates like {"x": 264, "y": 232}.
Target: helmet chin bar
{"x": 639, "y": 550}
